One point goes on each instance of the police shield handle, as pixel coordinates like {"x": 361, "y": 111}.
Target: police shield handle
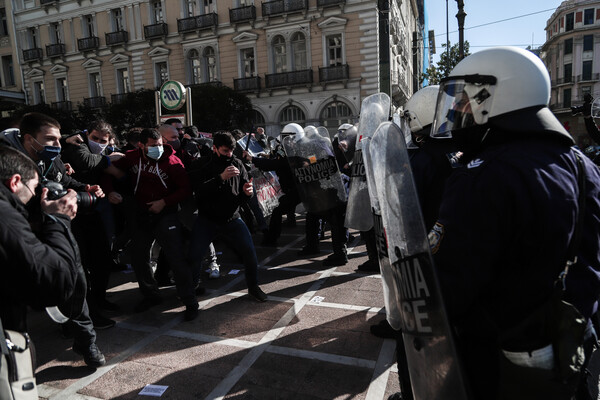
{"x": 433, "y": 362}
{"x": 374, "y": 110}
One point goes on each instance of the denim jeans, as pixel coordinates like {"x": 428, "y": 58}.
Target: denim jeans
{"x": 237, "y": 236}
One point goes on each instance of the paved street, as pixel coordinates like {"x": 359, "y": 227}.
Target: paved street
{"x": 310, "y": 340}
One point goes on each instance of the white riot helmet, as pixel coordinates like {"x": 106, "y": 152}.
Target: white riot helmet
{"x": 419, "y": 110}
{"x": 487, "y": 84}
{"x": 290, "y": 129}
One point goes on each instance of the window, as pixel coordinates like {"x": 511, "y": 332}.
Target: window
{"x": 32, "y": 36}
{"x": 568, "y": 46}
{"x": 569, "y": 20}
{"x": 88, "y": 26}
{"x": 210, "y": 64}
{"x": 117, "y": 19}
{"x": 209, "y": 6}
{"x": 567, "y": 98}
{"x": 190, "y": 8}
{"x": 95, "y": 87}
{"x": 157, "y": 13}
{"x": 62, "y": 93}
{"x": 588, "y": 42}
{"x": 257, "y": 119}
{"x": 335, "y": 114}
{"x": 291, "y": 114}
{"x": 248, "y": 67}
{"x": 162, "y": 73}
{"x": 568, "y": 73}
{"x": 279, "y": 55}
{"x": 55, "y": 35}
{"x": 39, "y": 94}
{"x": 334, "y": 50}
{"x": 194, "y": 67}
{"x": 3, "y": 26}
{"x": 8, "y": 70}
{"x": 586, "y": 71}
{"x": 243, "y": 3}
{"x": 588, "y": 16}
{"x": 299, "y": 61}
{"x": 123, "y": 80}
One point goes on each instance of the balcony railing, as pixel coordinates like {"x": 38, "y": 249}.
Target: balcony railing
{"x": 156, "y": 30}
{"x": 283, "y": 6}
{"x": 334, "y": 73}
{"x": 118, "y": 98}
{"x": 568, "y": 79}
{"x": 95, "y": 102}
{"x": 116, "y": 38}
{"x": 247, "y": 84}
{"x": 32, "y": 54}
{"x": 588, "y": 77}
{"x": 62, "y": 105}
{"x": 241, "y": 14}
{"x": 203, "y": 21}
{"x": 88, "y": 43}
{"x": 55, "y": 50}
{"x": 289, "y": 78}
{"x": 329, "y": 3}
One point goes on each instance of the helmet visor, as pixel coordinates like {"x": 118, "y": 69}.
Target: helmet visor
{"x": 463, "y": 101}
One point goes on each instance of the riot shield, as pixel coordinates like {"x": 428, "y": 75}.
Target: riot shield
{"x": 596, "y": 109}
{"x": 434, "y": 366}
{"x": 323, "y": 132}
{"x": 316, "y": 172}
{"x": 390, "y": 293}
{"x": 374, "y": 110}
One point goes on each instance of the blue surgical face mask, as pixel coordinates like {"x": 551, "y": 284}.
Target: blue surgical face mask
{"x": 155, "y": 152}
{"x": 48, "y": 153}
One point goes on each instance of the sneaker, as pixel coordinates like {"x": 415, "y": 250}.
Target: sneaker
{"x": 214, "y": 272}
{"x": 147, "y": 303}
{"x": 309, "y": 251}
{"x": 368, "y": 266}
{"x": 191, "y": 312}
{"x": 257, "y": 293}
{"x": 383, "y": 330}
{"x": 100, "y": 322}
{"x": 335, "y": 260}
{"x": 91, "y": 355}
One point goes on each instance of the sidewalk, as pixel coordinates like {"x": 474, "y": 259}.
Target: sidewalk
{"x": 310, "y": 340}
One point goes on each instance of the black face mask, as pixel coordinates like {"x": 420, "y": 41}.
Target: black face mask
{"x": 224, "y": 159}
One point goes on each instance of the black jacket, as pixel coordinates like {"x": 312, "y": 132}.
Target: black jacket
{"x": 35, "y": 271}
{"x": 87, "y": 165}
{"x": 218, "y": 200}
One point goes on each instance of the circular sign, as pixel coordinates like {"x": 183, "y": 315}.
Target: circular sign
{"x": 172, "y": 95}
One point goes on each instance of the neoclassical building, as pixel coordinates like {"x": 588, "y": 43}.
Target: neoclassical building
{"x": 305, "y": 61}
{"x": 572, "y": 55}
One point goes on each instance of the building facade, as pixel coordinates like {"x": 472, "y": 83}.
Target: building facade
{"x": 304, "y": 61}
{"x": 11, "y": 90}
{"x": 572, "y": 55}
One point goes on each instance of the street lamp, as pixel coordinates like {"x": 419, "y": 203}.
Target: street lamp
{"x": 460, "y": 16}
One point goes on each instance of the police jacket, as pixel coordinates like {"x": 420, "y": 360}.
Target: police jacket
{"x": 35, "y": 271}
{"x": 218, "y": 200}
{"x": 505, "y": 222}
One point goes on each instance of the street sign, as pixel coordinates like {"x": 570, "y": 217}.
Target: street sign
{"x": 172, "y": 95}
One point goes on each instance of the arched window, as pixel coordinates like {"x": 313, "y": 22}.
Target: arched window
{"x": 299, "y": 60}
{"x": 194, "y": 67}
{"x": 257, "y": 119}
{"x": 292, "y": 114}
{"x": 335, "y": 114}
{"x": 210, "y": 63}
{"x": 279, "y": 54}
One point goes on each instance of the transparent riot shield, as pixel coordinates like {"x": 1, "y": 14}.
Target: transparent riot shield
{"x": 435, "y": 371}
{"x": 390, "y": 293}
{"x": 596, "y": 110}
{"x": 374, "y": 110}
{"x": 316, "y": 172}
{"x": 324, "y": 132}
